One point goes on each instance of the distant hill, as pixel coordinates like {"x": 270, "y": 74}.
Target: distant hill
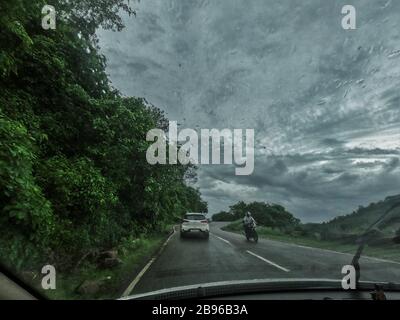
{"x": 350, "y": 226}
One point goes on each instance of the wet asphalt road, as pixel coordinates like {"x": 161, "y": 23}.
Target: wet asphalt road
{"x": 228, "y": 256}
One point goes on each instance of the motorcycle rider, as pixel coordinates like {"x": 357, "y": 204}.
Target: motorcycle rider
{"x": 249, "y": 225}
{"x": 248, "y": 221}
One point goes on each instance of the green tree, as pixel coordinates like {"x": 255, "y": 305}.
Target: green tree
{"x": 73, "y": 171}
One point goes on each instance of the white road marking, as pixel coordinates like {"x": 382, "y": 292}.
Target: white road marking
{"x": 268, "y": 261}
{"x": 146, "y": 267}
{"x": 222, "y": 239}
{"x": 330, "y": 251}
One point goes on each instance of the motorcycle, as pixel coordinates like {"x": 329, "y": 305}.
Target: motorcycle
{"x": 251, "y": 233}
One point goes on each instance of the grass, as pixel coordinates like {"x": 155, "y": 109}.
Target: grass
{"x": 388, "y": 251}
{"x": 134, "y": 255}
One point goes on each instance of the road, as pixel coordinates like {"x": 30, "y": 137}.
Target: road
{"x": 228, "y": 256}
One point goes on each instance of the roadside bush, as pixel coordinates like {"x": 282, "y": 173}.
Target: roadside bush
{"x": 223, "y": 216}
{"x": 26, "y": 215}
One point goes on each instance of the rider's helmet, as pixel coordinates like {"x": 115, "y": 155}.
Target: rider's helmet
{"x": 248, "y": 214}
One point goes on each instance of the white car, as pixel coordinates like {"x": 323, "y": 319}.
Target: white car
{"x": 195, "y": 222}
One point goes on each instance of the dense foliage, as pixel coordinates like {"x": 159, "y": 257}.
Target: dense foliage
{"x": 270, "y": 215}
{"x": 73, "y": 172}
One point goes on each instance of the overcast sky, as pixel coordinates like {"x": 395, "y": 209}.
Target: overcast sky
{"x": 324, "y": 102}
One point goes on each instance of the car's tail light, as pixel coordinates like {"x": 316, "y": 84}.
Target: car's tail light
{"x": 204, "y": 221}
{"x": 184, "y": 220}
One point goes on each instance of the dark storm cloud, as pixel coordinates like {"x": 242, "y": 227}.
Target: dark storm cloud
{"x": 375, "y": 151}
{"x": 331, "y": 142}
{"x": 306, "y": 182}
{"x": 324, "y": 102}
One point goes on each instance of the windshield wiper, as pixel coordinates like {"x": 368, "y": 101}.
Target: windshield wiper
{"x": 365, "y": 237}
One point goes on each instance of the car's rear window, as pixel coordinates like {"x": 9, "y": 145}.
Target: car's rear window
{"x": 195, "y": 217}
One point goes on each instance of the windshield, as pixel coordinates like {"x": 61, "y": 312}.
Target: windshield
{"x": 273, "y": 124}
